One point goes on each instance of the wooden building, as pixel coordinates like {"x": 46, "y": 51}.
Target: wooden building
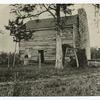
{"x": 43, "y": 41}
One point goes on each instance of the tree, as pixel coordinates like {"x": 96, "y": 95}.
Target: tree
{"x": 97, "y": 15}
{"x": 26, "y": 11}
{"x": 17, "y": 30}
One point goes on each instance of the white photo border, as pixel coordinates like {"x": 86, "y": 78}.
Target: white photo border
{"x": 47, "y": 1}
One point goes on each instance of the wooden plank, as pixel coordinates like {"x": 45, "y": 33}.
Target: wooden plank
{"x": 74, "y": 45}
{"x": 46, "y": 40}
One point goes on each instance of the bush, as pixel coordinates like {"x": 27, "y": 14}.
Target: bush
{"x": 4, "y": 58}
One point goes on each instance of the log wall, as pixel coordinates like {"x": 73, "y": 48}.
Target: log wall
{"x": 44, "y": 36}
{"x": 44, "y": 40}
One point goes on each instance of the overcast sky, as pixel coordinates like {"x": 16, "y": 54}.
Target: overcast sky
{"x": 6, "y": 41}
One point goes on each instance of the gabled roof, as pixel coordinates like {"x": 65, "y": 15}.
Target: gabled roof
{"x": 50, "y": 22}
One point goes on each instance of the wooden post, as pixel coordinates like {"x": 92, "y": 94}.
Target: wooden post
{"x": 14, "y": 55}
{"x": 39, "y": 60}
{"x": 77, "y": 62}
{"x": 15, "y": 77}
{"x": 8, "y": 59}
{"x": 66, "y": 54}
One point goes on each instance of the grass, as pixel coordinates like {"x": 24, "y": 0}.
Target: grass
{"x": 48, "y": 81}
{"x": 66, "y": 86}
{"x": 32, "y": 72}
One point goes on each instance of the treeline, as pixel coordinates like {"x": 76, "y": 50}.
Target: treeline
{"x": 95, "y": 53}
{"x": 7, "y": 58}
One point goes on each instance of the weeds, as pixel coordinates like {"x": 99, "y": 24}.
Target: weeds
{"x": 50, "y": 82}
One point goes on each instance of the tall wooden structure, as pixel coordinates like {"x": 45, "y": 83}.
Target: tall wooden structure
{"x": 42, "y": 45}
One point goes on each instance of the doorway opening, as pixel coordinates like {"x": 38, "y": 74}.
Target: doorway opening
{"x": 41, "y": 54}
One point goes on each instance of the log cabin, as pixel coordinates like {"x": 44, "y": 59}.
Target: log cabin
{"x": 75, "y": 34}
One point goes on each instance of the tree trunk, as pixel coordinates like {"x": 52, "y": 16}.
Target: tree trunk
{"x": 14, "y": 55}
{"x": 58, "y": 64}
{"x": 39, "y": 61}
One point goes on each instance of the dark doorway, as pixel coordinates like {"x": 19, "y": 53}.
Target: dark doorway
{"x": 64, "y": 52}
{"x": 41, "y": 52}
{"x": 81, "y": 53}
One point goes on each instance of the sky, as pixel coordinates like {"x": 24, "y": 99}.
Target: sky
{"x": 6, "y": 41}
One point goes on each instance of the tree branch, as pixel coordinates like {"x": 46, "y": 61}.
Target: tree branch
{"x": 52, "y": 7}
{"x": 49, "y": 10}
{"x": 35, "y": 15}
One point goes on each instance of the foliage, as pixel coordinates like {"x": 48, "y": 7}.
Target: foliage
{"x": 5, "y": 56}
{"x": 27, "y": 11}
{"x": 97, "y": 5}
{"x": 35, "y": 10}
{"x": 18, "y": 30}
{"x": 95, "y": 53}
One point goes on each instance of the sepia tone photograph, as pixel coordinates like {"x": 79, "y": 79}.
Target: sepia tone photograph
{"x": 50, "y": 49}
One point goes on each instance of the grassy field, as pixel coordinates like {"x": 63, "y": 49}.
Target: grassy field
{"x": 47, "y": 81}
{"x": 32, "y": 72}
